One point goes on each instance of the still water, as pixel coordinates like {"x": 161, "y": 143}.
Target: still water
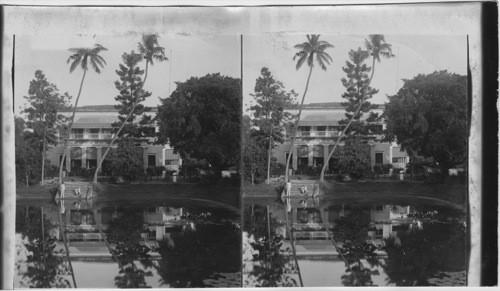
{"x": 308, "y": 243}
{"x": 132, "y": 244}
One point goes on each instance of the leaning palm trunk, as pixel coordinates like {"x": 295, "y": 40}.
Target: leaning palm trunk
{"x": 296, "y": 126}
{"x": 66, "y": 144}
{"x": 63, "y": 233}
{"x": 43, "y": 156}
{"x": 269, "y": 152}
{"x": 121, "y": 127}
{"x": 322, "y": 176}
{"x": 292, "y": 243}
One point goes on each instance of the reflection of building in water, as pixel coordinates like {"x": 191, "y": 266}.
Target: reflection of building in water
{"x": 82, "y": 226}
{"x": 311, "y": 238}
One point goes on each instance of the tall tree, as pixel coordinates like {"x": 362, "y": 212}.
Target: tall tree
{"x": 376, "y": 47}
{"x": 307, "y": 51}
{"x": 130, "y": 86}
{"x": 428, "y": 117}
{"x": 151, "y": 51}
{"x": 28, "y": 149}
{"x": 43, "y": 116}
{"x": 269, "y": 115}
{"x": 356, "y": 85}
{"x": 201, "y": 120}
{"x": 81, "y": 57}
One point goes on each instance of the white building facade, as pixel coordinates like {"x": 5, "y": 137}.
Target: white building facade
{"x": 91, "y": 134}
{"x": 318, "y": 131}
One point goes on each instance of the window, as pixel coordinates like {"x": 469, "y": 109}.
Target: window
{"x": 399, "y": 160}
{"x": 379, "y": 158}
{"x": 152, "y": 160}
{"x": 321, "y": 128}
{"x": 304, "y": 128}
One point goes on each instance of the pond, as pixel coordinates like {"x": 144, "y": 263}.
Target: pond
{"x": 132, "y": 244}
{"x": 305, "y": 242}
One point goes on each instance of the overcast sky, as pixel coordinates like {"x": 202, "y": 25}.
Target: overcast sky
{"x": 414, "y": 55}
{"x": 188, "y": 57}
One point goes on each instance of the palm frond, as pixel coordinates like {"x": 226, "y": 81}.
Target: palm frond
{"x": 95, "y": 65}
{"x": 302, "y": 59}
{"x": 75, "y": 63}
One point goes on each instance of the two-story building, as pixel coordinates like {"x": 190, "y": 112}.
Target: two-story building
{"x": 91, "y": 134}
{"x": 319, "y": 129}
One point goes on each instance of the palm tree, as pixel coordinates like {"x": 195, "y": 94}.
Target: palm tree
{"x": 308, "y": 50}
{"x": 82, "y": 57}
{"x": 376, "y": 47}
{"x": 150, "y": 51}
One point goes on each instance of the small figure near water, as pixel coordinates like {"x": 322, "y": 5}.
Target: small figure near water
{"x": 288, "y": 187}
{"x": 303, "y": 189}
{"x": 62, "y": 188}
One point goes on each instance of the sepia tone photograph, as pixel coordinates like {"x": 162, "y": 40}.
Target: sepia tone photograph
{"x": 355, "y": 160}
{"x": 222, "y": 146}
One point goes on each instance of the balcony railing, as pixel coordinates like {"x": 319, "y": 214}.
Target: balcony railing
{"x": 90, "y": 136}
{"x": 317, "y": 133}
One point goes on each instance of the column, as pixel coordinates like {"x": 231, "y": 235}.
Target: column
{"x": 68, "y": 160}
{"x": 294, "y": 157}
{"x": 326, "y": 152}
{"x": 310, "y": 154}
{"x": 84, "y": 157}
{"x": 145, "y": 157}
{"x": 99, "y": 156}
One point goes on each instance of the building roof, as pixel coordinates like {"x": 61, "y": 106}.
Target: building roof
{"x": 331, "y": 105}
{"x": 321, "y": 119}
{"x": 106, "y": 108}
{"x": 95, "y": 120}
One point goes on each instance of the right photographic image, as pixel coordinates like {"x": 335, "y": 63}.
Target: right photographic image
{"x": 355, "y": 160}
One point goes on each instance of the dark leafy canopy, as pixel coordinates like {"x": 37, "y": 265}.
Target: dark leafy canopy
{"x": 353, "y": 158}
{"x": 201, "y": 119}
{"x": 313, "y": 47}
{"x": 357, "y": 89}
{"x": 45, "y": 103}
{"x": 428, "y": 117}
{"x": 126, "y": 160}
{"x": 130, "y": 86}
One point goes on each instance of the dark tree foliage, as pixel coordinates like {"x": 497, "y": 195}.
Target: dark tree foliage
{"x": 46, "y": 264}
{"x": 352, "y": 158}
{"x": 271, "y": 99}
{"x": 126, "y": 160}
{"x": 28, "y": 151}
{"x": 124, "y": 233}
{"x": 428, "y": 117}
{"x": 201, "y": 119}
{"x": 350, "y": 232}
{"x": 42, "y": 114}
{"x": 130, "y": 87}
{"x": 424, "y": 253}
{"x": 358, "y": 87}
{"x": 274, "y": 265}
{"x": 198, "y": 253}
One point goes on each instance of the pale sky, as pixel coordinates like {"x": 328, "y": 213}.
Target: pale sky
{"x": 188, "y": 57}
{"x": 414, "y": 55}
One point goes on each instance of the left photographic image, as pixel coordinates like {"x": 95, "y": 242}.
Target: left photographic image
{"x": 127, "y": 154}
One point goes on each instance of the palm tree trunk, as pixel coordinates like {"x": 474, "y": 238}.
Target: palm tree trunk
{"x": 43, "y": 156}
{"x": 70, "y": 127}
{"x": 292, "y": 243}
{"x": 296, "y": 125}
{"x": 269, "y": 152}
{"x": 322, "y": 176}
{"x": 99, "y": 165}
{"x": 61, "y": 229}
